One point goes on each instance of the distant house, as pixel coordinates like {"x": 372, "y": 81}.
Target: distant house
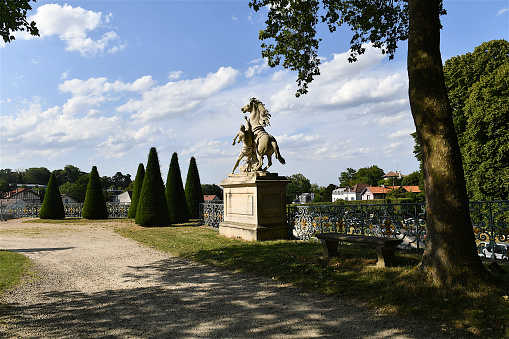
{"x": 13, "y": 203}
{"x": 371, "y": 193}
{"x": 349, "y": 193}
{"x": 25, "y": 195}
{"x": 68, "y": 199}
{"x": 343, "y": 193}
{"x": 124, "y": 197}
{"x": 304, "y": 198}
{"x": 211, "y": 198}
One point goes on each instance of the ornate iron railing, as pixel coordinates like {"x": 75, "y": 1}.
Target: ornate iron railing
{"x": 74, "y": 210}
{"x": 490, "y": 221}
{"x": 402, "y": 221}
{"x": 211, "y": 213}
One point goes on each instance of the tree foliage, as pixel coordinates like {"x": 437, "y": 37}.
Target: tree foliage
{"x": 76, "y": 189}
{"x": 478, "y": 94}
{"x": 52, "y": 206}
{"x": 13, "y": 17}
{"x": 194, "y": 193}
{"x": 152, "y": 208}
{"x": 485, "y": 143}
{"x": 298, "y": 184}
{"x": 138, "y": 182}
{"x": 212, "y": 189}
{"x": 293, "y": 27}
{"x": 175, "y": 195}
{"x": 367, "y": 175}
{"x": 94, "y": 206}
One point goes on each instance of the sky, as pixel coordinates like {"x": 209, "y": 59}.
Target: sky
{"x": 108, "y": 80}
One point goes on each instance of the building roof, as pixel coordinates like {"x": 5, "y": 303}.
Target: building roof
{"x": 210, "y": 197}
{"x": 392, "y": 174}
{"x": 359, "y": 188}
{"x": 377, "y": 190}
{"x": 413, "y": 189}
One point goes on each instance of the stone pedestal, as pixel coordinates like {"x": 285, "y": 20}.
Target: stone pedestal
{"x": 254, "y": 206}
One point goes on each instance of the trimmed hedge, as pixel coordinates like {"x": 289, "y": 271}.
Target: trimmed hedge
{"x": 138, "y": 182}
{"x": 152, "y": 209}
{"x": 52, "y": 205}
{"x": 175, "y": 195}
{"x": 95, "y": 205}
{"x": 193, "y": 190}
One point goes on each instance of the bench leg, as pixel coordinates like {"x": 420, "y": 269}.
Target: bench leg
{"x": 385, "y": 256}
{"x": 330, "y": 247}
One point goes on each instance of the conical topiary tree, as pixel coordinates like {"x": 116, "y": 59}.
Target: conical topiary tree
{"x": 52, "y": 206}
{"x": 194, "y": 193}
{"x": 175, "y": 195}
{"x": 94, "y": 206}
{"x": 152, "y": 209}
{"x": 138, "y": 182}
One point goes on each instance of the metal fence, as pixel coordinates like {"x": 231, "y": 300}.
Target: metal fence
{"x": 490, "y": 221}
{"x": 115, "y": 210}
{"x": 211, "y": 213}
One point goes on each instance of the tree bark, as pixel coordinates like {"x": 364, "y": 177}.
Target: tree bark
{"x": 450, "y": 256}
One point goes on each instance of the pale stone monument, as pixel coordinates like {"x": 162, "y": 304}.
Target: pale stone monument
{"x": 254, "y": 199}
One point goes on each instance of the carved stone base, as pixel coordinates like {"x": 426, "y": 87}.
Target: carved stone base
{"x": 254, "y": 206}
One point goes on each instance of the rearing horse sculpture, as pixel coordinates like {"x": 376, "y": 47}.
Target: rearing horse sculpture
{"x": 266, "y": 144}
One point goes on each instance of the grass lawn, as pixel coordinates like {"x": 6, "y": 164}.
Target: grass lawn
{"x": 483, "y": 311}
{"x": 13, "y": 266}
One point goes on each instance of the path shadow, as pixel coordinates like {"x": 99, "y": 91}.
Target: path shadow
{"x": 33, "y": 250}
{"x": 192, "y": 300}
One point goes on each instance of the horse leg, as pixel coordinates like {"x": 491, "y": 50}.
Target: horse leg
{"x": 269, "y": 158}
{"x": 276, "y": 151}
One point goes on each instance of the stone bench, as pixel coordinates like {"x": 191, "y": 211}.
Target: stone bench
{"x": 384, "y": 247}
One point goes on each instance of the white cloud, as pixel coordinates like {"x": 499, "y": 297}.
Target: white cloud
{"x": 175, "y": 98}
{"x": 71, "y": 25}
{"x": 502, "y": 11}
{"x": 174, "y": 75}
{"x": 257, "y": 69}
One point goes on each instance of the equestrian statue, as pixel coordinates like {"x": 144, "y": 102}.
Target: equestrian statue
{"x": 256, "y": 139}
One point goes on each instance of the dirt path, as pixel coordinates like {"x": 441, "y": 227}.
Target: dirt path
{"x": 93, "y": 283}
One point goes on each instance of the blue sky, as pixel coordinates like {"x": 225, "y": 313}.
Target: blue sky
{"x": 107, "y": 80}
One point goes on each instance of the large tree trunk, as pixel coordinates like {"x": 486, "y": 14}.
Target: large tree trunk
{"x": 450, "y": 257}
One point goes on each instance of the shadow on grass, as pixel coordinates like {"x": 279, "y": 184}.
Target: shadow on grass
{"x": 188, "y": 300}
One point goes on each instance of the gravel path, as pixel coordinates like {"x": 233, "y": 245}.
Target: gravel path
{"x": 93, "y": 283}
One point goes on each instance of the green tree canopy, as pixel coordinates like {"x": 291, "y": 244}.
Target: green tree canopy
{"x": 138, "y": 182}
{"x": 478, "y": 95}
{"x": 463, "y": 71}
{"x": 175, "y": 194}
{"x": 152, "y": 208}
{"x": 76, "y": 189}
{"x": 194, "y": 193}
{"x": 36, "y": 175}
{"x": 52, "y": 206}
{"x": 94, "y": 206}
{"x": 13, "y": 17}
{"x": 485, "y": 143}
{"x": 212, "y": 189}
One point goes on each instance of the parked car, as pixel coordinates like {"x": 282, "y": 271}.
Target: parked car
{"x": 486, "y": 250}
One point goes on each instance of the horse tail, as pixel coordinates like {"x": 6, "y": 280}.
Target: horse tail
{"x": 277, "y": 154}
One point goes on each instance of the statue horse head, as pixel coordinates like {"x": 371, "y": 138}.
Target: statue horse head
{"x": 259, "y": 115}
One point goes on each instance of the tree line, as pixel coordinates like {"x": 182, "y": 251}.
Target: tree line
{"x": 152, "y": 204}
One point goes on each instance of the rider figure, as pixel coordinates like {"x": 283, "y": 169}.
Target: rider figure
{"x": 248, "y": 150}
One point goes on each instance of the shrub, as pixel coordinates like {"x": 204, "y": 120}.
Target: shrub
{"x": 94, "y": 206}
{"x": 138, "y": 182}
{"x": 194, "y": 193}
{"x": 175, "y": 195}
{"x": 152, "y": 209}
{"x": 52, "y": 206}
